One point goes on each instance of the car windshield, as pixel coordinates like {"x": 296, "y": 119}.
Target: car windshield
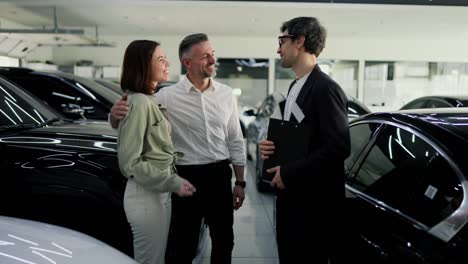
{"x": 111, "y": 85}
{"x": 96, "y": 88}
{"x": 19, "y": 108}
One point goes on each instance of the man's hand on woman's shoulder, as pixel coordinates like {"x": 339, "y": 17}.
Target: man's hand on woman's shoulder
{"x": 118, "y": 111}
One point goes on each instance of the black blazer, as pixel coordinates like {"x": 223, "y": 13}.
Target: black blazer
{"x": 321, "y": 172}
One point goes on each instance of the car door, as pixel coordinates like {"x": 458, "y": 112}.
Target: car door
{"x": 398, "y": 189}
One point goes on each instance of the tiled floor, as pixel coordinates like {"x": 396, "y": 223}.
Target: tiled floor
{"x": 255, "y": 241}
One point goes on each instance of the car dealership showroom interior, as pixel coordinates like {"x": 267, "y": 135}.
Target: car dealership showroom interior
{"x": 84, "y": 180}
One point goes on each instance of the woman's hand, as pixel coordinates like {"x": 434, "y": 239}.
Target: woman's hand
{"x": 186, "y": 189}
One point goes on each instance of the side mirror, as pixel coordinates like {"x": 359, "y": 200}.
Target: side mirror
{"x": 73, "y": 111}
{"x": 250, "y": 112}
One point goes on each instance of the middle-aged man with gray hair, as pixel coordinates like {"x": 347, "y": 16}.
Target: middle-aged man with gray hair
{"x": 206, "y": 129}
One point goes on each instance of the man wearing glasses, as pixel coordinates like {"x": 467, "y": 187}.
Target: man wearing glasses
{"x": 310, "y": 191}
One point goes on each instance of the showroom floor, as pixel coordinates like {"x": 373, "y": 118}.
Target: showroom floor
{"x": 255, "y": 241}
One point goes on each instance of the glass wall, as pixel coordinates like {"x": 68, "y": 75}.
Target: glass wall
{"x": 390, "y": 85}
{"x": 345, "y": 73}
{"x": 386, "y": 86}
{"x": 247, "y": 76}
{"x": 379, "y": 86}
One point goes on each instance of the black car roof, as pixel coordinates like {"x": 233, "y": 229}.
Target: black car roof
{"x": 16, "y": 69}
{"x": 454, "y": 120}
{"x": 26, "y": 71}
{"x": 452, "y": 97}
{"x": 94, "y": 87}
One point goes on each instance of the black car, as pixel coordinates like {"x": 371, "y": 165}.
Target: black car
{"x": 406, "y": 183}
{"x": 257, "y": 129}
{"x": 437, "y": 102}
{"x": 116, "y": 87}
{"x": 110, "y": 84}
{"x": 73, "y": 96}
{"x": 59, "y": 171}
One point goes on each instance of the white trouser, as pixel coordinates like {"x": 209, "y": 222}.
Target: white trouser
{"x": 149, "y": 215}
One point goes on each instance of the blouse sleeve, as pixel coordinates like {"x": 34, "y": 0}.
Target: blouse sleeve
{"x": 132, "y": 134}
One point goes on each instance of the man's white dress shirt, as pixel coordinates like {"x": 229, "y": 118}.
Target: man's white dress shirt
{"x": 292, "y": 96}
{"x": 205, "y": 125}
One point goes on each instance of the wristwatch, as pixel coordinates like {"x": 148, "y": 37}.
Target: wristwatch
{"x": 240, "y": 183}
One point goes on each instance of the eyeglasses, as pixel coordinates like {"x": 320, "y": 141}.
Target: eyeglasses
{"x": 281, "y": 39}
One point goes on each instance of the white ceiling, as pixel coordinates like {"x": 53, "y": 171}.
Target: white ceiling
{"x": 260, "y": 19}
{"x": 155, "y": 19}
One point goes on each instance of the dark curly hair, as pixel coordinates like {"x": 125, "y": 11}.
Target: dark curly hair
{"x": 314, "y": 33}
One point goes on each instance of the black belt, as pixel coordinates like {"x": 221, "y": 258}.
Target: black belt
{"x": 215, "y": 164}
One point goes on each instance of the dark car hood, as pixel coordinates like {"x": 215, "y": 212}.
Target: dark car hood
{"x": 83, "y": 135}
{"x": 81, "y": 128}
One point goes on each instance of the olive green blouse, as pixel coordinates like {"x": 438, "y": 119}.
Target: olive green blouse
{"x": 144, "y": 146}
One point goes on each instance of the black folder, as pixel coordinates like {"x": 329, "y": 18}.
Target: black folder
{"x": 291, "y": 141}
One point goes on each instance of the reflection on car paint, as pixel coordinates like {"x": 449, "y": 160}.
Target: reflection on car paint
{"x": 30, "y": 140}
{"x": 65, "y": 173}
{"x": 16, "y": 114}
{"x": 86, "y": 90}
{"x": 102, "y": 145}
{"x": 47, "y": 254}
{"x": 83, "y": 143}
{"x": 54, "y": 157}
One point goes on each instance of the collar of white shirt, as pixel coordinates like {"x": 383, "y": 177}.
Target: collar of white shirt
{"x": 188, "y": 85}
{"x": 302, "y": 80}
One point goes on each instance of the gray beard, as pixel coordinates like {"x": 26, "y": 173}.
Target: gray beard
{"x": 207, "y": 75}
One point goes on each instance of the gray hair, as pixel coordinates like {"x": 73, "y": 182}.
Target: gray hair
{"x": 187, "y": 43}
